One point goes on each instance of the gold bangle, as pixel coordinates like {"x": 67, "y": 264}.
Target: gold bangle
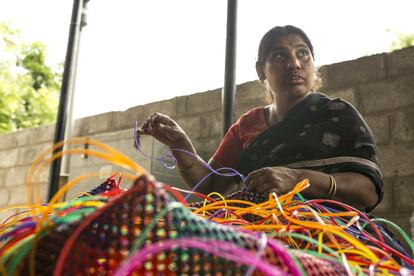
{"x": 188, "y": 167}
{"x": 332, "y": 187}
{"x": 334, "y": 190}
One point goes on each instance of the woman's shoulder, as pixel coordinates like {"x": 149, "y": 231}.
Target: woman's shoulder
{"x": 255, "y": 115}
{"x": 251, "y": 124}
{"x": 333, "y": 103}
{"x": 254, "y": 112}
{"x": 337, "y": 107}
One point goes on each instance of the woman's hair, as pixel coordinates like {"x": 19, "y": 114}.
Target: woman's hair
{"x": 268, "y": 40}
{"x": 267, "y": 43}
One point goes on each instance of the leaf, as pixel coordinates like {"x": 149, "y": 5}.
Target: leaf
{"x": 29, "y": 89}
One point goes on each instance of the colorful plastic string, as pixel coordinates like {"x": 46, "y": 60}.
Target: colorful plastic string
{"x": 341, "y": 237}
{"x": 170, "y": 162}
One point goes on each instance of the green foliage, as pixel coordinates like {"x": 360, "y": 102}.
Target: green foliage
{"x": 34, "y": 62}
{"x": 29, "y": 89}
{"x": 403, "y": 41}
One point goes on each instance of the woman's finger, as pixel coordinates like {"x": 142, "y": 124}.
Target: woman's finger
{"x": 153, "y": 120}
{"x": 250, "y": 177}
{"x": 140, "y": 131}
{"x": 171, "y": 132}
{"x": 264, "y": 188}
{"x": 254, "y": 183}
{"x": 258, "y": 177}
{"x": 144, "y": 125}
{"x": 158, "y": 118}
{"x": 164, "y": 129}
{"x": 271, "y": 191}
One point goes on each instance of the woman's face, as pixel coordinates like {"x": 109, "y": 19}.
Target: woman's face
{"x": 289, "y": 68}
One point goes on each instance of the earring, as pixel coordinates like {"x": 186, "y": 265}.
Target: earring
{"x": 262, "y": 79}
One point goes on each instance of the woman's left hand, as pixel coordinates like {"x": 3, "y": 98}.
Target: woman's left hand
{"x": 279, "y": 180}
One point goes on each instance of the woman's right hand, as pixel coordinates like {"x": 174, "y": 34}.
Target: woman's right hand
{"x": 165, "y": 130}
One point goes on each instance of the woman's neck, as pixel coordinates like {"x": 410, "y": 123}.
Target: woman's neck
{"x": 281, "y": 106}
{"x": 272, "y": 114}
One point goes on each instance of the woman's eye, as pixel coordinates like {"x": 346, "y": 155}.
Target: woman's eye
{"x": 303, "y": 53}
{"x": 278, "y": 56}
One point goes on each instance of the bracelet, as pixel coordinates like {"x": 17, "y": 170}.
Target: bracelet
{"x": 189, "y": 166}
{"x": 332, "y": 187}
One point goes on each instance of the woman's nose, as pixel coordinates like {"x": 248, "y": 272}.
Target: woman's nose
{"x": 293, "y": 63}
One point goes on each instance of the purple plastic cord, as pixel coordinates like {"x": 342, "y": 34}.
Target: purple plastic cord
{"x": 213, "y": 171}
{"x": 28, "y": 224}
{"x": 169, "y": 156}
{"x": 233, "y": 173}
{"x": 362, "y": 234}
{"x": 219, "y": 248}
{"x": 217, "y": 214}
{"x": 138, "y": 146}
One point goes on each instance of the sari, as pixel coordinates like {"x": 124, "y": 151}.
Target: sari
{"x": 319, "y": 133}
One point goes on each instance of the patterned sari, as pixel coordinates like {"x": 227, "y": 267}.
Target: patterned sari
{"x": 320, "y": 134}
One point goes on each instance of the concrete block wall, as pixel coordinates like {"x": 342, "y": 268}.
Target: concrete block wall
{"x": 18, "y": 151}
{"x": 380, "y": 86}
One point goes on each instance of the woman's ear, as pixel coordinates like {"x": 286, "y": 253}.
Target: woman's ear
{"x": 260, "y": 73}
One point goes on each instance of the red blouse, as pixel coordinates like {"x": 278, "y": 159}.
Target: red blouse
{"x": 239, "y": 136}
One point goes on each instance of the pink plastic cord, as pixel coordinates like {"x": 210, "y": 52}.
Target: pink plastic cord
{"x": 219, "y": 248}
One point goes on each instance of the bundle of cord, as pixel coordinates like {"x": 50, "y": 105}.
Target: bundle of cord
{"x": 324, "y": 228}
{"x": 18, "y": 235}
{"x": 145, "y": 231}
{"x": 142, "y": 230}
{"x": 20, "y": 232}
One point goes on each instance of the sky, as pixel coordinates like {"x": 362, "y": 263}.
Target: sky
{"x": 133, "y": 52}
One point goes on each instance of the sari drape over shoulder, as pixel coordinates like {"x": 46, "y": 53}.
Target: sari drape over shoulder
{"x": 319, "y": 133}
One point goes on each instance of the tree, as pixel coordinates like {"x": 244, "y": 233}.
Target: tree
{"x": 29, "y": 89}
{"x": 402, "y": 41}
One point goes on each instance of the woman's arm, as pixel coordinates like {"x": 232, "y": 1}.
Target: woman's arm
{"x": 196, "y": 171}
{"x": 191, "y": 167}
{"x": 353, "y": 188}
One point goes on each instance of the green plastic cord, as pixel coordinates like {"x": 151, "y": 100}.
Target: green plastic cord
{"x": 21, "y": 248}
{"x": 329, "y": 258}
{"x": 399, "y": 229}
{"x": 140, "y": 241}
{"x": 298, "y": 264}
{"x": 306, "y": 238}
{"x": 301, "y": 197}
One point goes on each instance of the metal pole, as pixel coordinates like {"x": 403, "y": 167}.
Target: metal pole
{"x": 229, "y": 89}
{"x": 66, "y": 92}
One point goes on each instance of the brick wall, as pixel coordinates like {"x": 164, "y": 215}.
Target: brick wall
{"x": 380, "y": 86}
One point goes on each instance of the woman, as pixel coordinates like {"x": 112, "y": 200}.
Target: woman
{"x": 301, "y": 134}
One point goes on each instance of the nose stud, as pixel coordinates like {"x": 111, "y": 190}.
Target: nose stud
{"x": 291, "y": 65}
